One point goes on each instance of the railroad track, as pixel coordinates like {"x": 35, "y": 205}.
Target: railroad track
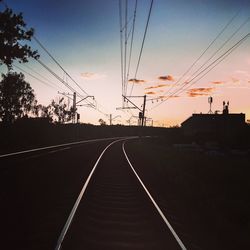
{"x": 114, "y": 210}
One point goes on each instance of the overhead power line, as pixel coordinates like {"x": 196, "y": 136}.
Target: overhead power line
{"x": 131, "y": 46}
{"x": 67, "y": 74}
{"x": 125, "y": 46}
{"x": 214, "y": 63}
{"x": 57, "y": 77}
{"x": 59, "y": 65}
{"x": 24, "y": 71}
{"x": 209, "y": 59}
{"x": 42, "y": 76}
{"x": 121, "y": 44}
{"x": 143, "y": 41}
{"x": 204, "y": 52}
{"x": 219, "y": 49}
{"x": 206, "y": 70}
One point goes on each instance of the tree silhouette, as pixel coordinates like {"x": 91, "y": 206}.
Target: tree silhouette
{"x": 42, "y": 111}
{"x": 12, "y": 35}
{"x": 16, "y": 97}
{"x": 102, "y": 122}
{"x": 60, "y": 110}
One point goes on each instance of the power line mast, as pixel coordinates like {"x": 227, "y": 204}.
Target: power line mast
{"x": 75, "y": 115}
{"x": 143, "y": 111}
{"x": 134, "y": 106}
{"x": 74, "y": 108}
{"x": 210, "y": 101}
{"x": 112, "y": 118}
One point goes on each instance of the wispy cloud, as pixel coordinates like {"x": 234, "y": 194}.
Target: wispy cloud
{"x": 167, "y": 96}
{"x": 92, "y": 76}
{"x": 218, "y": 82}
{"x": 137, "y": 81}
{"x": 166, "y": 78}
{"x": 242, "y": 72}
{"x": 151, "y": 87}
{"x": 157, "y": 86}
{"x": 235, "y": 80}
{"x": 150, "y": 93}
{"x": 199, "y": 92}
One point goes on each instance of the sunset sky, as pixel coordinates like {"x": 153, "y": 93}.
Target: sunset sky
{"x": 84, "y": 36}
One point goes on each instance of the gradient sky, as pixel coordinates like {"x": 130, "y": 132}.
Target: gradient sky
{"x": 84, "y": 37}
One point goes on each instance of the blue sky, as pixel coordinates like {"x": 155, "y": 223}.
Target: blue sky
{"x": 84, "y": 37}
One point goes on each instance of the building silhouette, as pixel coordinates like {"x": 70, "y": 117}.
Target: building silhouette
{"x": 224, "y": 124}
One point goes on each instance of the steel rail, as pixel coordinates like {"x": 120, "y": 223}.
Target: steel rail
{"x": 182, "y": 246}
{"x": 56, "y": 146}
{"x": 73, "y": 211}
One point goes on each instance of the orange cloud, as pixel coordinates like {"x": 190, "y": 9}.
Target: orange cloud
{"x": 196, "y": 94}
{"x": 166, "y": 78}
{"x": 235, "y": 80}
{"x": 161, "y": 85}
{"x": 199, "y": 92}
{"x": 92, "y": 76}
{"x": 166, "y": 96}
{"x": 151, "y": 87}
{"x": 218, "y": 82}
{"x": 137, "y": 81}
{"x": 157, "y": 86}
{"x": 150, "y": 93}
{"x": 87, "y": 74}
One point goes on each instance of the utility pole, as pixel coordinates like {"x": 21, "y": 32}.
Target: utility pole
{"x": 75, "y": 116}
{"x": 74, "y": 108}
{"x": 143, "y": 110}
{"x": 110, "y": 119}
{"x": 134, "y": 106}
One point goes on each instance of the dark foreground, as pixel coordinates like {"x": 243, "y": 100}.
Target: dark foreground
{"x": 205, "y": 197}
{"x": 205, "y": 194}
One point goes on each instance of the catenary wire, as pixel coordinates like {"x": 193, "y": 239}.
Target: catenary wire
{"x": 208, "y": 68}
{"x": 204, "y": 52}
{"x": 219, "y": 49}
{"x": 131, "y": 44}
{"x": 42, "y": 81}
{"x": 143, "y": 41}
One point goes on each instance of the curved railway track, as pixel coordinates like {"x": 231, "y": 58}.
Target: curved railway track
{"x": 114, "y": 210}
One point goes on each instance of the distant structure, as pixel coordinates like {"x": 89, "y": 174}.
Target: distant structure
{"x": 217, "y": 124}
{"x": 225, "y": 108}
{"x": 210, "y": 101}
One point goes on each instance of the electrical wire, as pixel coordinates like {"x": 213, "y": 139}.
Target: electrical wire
{"x": 212, "y": 56}
{"x": 121, "y": 44}
{"x": 143, "y": 41}
{"x": 58, "y": 77}
{"x": 207, "y": 69}
{"x": 131, "y": 45}
{"x": 215, "y": 63}
{"x": 204, "y": 52}
{"x": 55, "y": 75}
{"x": 220, "y": 48}
{"x": 46, "y": 79}
{"x": 58, "y": 64}
{"x": 125, "y": 46}
{"x": 24, "y": 71}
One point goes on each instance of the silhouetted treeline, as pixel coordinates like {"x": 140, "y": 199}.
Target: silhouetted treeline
{"x": 36, "y": 132}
